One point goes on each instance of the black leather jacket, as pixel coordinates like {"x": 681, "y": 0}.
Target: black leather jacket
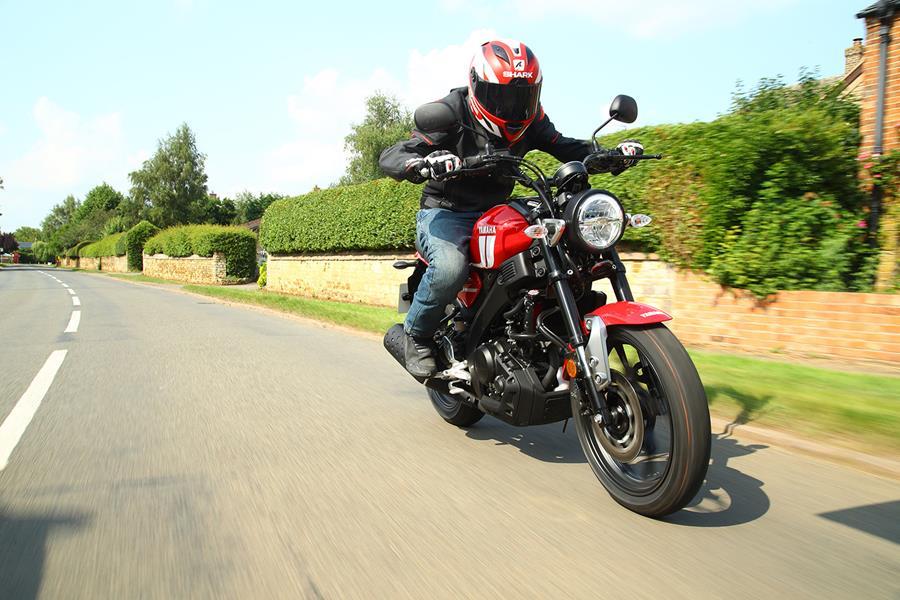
{"x": 475, "y": 192}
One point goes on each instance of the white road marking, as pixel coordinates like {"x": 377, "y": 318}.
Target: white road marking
{"x": 65, "y": 285}
{"x": 71, "y": 291}
{"x": 18, "y": 419}
{"x": 76, "y": 301}
{"x": 73, "y": 322}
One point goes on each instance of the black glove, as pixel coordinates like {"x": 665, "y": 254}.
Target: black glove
{"x": 441, "y": 163}
{"x": 415, "y": 170}
{"x": 627, "y": 148}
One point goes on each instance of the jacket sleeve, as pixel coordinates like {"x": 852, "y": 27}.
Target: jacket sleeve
{"x": 549, "y": 140}
{"x": 393, "y": 161}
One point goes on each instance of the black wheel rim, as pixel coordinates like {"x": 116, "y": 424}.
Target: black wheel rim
{"x": 645, "y": 473}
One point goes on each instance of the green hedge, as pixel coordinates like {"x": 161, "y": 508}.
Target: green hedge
{"x": 107, "y": 246}
{"x": 379, "y": 215}
{"x": 132, "y": 243}
{"x": 75, "y": 251}
{"x": 766, "y": 197}
{"x": 238, "y": 245}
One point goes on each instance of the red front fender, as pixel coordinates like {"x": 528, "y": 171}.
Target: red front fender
{"x": 629, "y": 313}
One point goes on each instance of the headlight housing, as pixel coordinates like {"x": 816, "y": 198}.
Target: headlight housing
{"x": 596, "y": 220}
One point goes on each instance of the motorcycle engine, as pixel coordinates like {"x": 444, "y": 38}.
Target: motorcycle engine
{"x": 506, "y": 386}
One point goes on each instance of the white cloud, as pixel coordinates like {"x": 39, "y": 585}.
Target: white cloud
{"x": 69, "y": 150}
{"x": 653, "y": 18}
{"x": 70, "y": 155}
{"x": 329, "y": 103}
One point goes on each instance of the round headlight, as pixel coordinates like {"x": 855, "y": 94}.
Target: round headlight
{"x": 596, "y": 219}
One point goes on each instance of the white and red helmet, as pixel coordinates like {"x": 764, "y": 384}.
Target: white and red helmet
{"x": 505, "y": 88}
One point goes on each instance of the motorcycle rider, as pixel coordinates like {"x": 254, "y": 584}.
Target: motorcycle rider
{"x": 502, "y": 105}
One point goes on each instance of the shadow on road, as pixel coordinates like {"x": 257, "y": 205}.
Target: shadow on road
{"x": 751, "y": 406}
{"x": 881, "y": 520}
{"x": 23, "y": 549}
{"x": 546, "y": 443}
{"x": 728, "y": 496}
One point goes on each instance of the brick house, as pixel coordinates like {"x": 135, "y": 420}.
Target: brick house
{"x": 880, "y": 119}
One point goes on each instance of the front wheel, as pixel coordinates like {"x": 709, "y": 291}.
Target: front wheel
{"x": 453, "y": 410}
{"x": 653, "y": 458}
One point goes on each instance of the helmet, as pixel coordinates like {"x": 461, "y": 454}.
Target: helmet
{"x": 505, "y": 88}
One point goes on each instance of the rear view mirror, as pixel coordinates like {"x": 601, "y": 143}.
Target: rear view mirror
{"x": 434, "y": 116}
{"x": 623, "y": 108}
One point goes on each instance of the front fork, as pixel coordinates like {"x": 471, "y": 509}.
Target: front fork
{"x": 591, "y": 355}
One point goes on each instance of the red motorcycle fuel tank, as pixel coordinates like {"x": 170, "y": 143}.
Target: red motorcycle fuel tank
{"x": 498, "y": 235}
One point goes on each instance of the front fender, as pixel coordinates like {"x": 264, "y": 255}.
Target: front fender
{"x": 628, "y": 313}
{"x": 610, "y": 315}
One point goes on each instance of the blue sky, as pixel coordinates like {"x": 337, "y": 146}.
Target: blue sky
{"x": 271, "y": 88}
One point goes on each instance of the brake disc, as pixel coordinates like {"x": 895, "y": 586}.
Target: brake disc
{"x": 623, "y": 438}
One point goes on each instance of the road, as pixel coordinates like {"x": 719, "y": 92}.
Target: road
{"x": 190, "y": 449}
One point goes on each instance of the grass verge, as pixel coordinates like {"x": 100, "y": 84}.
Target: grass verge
{"x": 139, "y": 277}
{"x": 849, "y": 408}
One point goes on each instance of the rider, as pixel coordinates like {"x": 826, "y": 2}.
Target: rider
{"x": 502, "y": 104}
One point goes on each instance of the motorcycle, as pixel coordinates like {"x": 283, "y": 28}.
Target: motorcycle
{"x": 529, "y": 342}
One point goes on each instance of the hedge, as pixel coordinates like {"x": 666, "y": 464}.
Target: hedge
{"x": 379, "y": 215}
{"x": 132, "y": 243}
{"x": 107, "y": 246}
{"x": 238, "y": 245}
{"x": 75, "y": 251}
{"x": 766, "y": 197}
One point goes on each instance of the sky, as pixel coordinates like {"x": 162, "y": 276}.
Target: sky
{"x": 270, "y": 88}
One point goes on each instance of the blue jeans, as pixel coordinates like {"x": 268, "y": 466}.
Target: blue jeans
{"x": 443, "y": 237}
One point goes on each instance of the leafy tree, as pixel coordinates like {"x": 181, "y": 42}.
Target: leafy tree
{"x": 60, "y": 215}
{"x": 8, "y": 242}
{"x": 250, "y": 206}
{"x": 172, "y": 184}
{"x": 102, "y": 199}
{"x": 215, "y": 210}
{"x": 28, "y": 234}
{"x": 386, "y": 123}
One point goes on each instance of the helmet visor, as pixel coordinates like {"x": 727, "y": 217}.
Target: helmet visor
{"x": 508, "y": 102}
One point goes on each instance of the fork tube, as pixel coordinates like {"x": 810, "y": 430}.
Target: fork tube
{"x": 619, "y": 281}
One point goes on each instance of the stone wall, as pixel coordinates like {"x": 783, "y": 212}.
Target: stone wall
{"x": 114, "y": 264}
{"x": 69, "y": 263}
{"x": 91, "y": 263}
{"x": 844, "y": 327}
{"x": 190, "y": 269}
{"x": 366, "y": 278}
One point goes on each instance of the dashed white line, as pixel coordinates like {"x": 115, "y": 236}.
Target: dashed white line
{"x": 65, "y": 285}
{"x": 76, "y": 301}
{"x": 71, "y": 291}
{"x": 74, "y": 320}
{"x": 18, "y": 419}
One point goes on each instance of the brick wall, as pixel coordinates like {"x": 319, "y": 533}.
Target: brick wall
{"x": 846, "y": 327}
{"x": 870, "y": 86}
{"x": 190, "y": 269}
{"x": 69, "y": 263}
{"x": 889, "y": 223}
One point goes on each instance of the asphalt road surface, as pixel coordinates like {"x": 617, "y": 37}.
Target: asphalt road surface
{"x": 189, "y": 449}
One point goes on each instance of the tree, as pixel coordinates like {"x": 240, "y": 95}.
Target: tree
{"x": 102, "y": 199}
{"x": 172, "y": 183}
{"x": 28, "y": 234}
{"x": 215, "y": 210}
{"x": 250, "y": 206}
{"x": 60, "y": 215}
{"x": 8, "y": 242}
{"x": 386, "y": 123}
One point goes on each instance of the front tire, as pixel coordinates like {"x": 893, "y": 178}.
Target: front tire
{"x": 453, "y": 410}
{"x": 661, "y": 406}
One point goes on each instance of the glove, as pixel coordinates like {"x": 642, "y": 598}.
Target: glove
{"x": 440, "y": 163}
{"x": 629, "y": 148}
{"x": 413, "y": 170}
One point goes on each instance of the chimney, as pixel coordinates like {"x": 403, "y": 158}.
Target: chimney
{"x": 853, "y": 55}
